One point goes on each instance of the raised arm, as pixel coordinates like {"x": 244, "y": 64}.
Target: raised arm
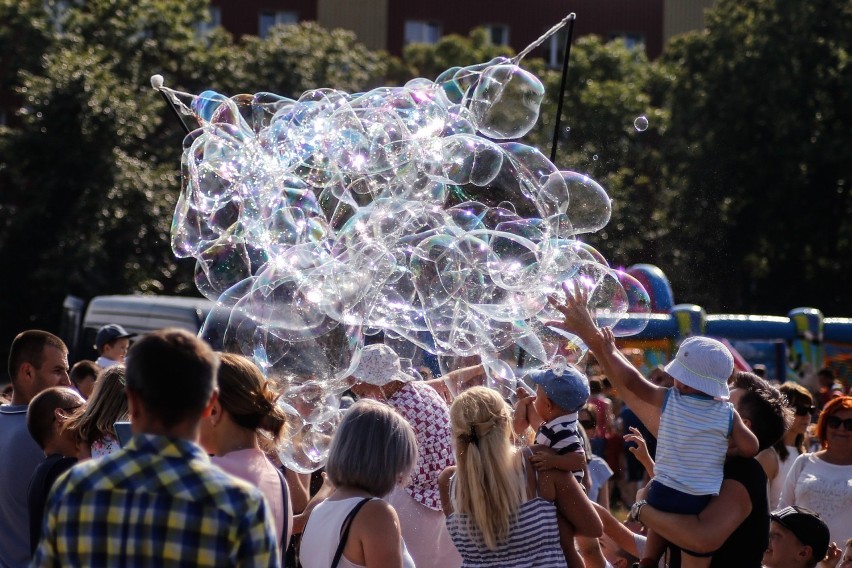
{"x": 644, "y": 398}
{"x": 745, "y": 441}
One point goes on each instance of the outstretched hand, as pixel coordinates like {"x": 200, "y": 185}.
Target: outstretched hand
{"x": 576, "y": 316}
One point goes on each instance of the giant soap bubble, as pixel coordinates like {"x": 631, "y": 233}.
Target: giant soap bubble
{"x": 410, "y": 210}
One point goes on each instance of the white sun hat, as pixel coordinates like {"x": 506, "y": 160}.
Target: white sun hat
{"x": 703, "y": 364}
{"x": 379, "y": 366}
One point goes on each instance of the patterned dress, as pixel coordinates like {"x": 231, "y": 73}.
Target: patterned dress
{"x": 419, "y": 504}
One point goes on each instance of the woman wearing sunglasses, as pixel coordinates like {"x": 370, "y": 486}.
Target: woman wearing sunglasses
{"x": 778, "y": 459}
{"x": 822, "y": 481}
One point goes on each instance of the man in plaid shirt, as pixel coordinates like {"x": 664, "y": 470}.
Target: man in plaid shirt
{"x": 159, "y": 501}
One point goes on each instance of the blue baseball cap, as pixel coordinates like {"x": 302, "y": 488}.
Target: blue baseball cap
{"x": 569, "y": 390}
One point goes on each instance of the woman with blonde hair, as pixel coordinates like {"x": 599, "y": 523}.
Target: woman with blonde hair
{"x": 244, "y": 424}
{"x": 500, "y": 511}
{"x": 107, "y": 405}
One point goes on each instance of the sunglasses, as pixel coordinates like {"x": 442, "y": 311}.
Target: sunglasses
{"x": 805, "y": 410}
{"x": 835, "y": 422}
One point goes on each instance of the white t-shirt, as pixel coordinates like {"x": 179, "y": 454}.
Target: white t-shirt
{"x": 824, "y": 488}
{"x": 776, "y": 484}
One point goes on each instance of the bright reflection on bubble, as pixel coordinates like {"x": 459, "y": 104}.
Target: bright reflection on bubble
{"x": 409, "y": 210}
{"x": 641, "y": 123}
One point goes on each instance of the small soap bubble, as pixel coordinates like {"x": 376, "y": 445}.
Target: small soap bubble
{"x": 641, "y": 123}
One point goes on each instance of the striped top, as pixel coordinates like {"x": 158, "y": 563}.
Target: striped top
{"x": 533, "y": 540}
{"x": 693, "y": 441}
{"x": 561, "y": 435}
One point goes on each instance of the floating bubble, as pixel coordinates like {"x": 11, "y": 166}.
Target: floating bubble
{"x": 641, "y": 123}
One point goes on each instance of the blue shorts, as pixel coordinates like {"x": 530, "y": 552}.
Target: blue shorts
{"x": 671, "y": 500}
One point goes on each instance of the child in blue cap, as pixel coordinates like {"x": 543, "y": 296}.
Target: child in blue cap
{"x": 560, "y": 394}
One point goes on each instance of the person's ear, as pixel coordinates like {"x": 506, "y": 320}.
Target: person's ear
{"x": 134, "y": 405}
{"x": 806, "y": 553}
{"x": 208, "y": 410}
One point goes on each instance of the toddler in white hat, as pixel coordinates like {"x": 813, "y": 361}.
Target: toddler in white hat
{"x": 696, "y": 424}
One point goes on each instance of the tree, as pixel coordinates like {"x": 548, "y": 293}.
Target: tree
{"x": 91, "y": 172}
{"x": 759, "y": 147}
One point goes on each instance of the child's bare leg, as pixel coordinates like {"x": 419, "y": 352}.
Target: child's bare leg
{"x": 689, "y": 561}
{"x": 654, "y": 549}
{"x": 566, "y": 540}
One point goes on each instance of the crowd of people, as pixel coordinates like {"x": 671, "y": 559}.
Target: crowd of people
{"x": 716, "y": 467}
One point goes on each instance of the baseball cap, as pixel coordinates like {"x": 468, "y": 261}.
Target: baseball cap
{"x": 703, "y": 364}
{"x": 568, "y": 388}
{"x": 111, "y": 332}
{"x": 807, "y": 526}
{"x": 379, "y": 366}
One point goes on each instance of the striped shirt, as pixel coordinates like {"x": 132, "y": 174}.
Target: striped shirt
{"x": 560, "y": 435}
{"x": 158, "y": 501}
{"x": 693, "y": 441}
{"x": 533, "y": 540}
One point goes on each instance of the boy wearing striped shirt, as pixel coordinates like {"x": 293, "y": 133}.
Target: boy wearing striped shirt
{"x": 560, "y": 394}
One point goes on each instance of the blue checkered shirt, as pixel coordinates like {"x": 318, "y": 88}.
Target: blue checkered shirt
{"x": 157, "y": 502}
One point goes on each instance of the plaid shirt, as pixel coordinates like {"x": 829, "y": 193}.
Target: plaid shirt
{"x": 157, "y": 502}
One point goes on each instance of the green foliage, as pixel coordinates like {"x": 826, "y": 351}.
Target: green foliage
{"x": 430, "y": 60}
{"x": 759, "y": 142}
{"x": 91, "y": 171}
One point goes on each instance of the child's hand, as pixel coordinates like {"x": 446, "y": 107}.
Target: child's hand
{"x": 575, "y": 311}
{"x": 641, "y": 450}
{"x": 521, "y": 419}
{"x": 545, "y": 459}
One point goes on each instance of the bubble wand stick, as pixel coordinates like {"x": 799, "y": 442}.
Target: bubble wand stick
{"x": 560, "y": 100}
{"x": 157, "y": 84}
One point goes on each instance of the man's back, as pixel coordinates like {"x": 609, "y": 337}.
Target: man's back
{"x": 19, "y": 456}
{"x": 158, "y": 501}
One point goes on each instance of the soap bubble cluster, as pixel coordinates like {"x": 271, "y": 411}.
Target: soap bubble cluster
{"x": 409, "y": 210}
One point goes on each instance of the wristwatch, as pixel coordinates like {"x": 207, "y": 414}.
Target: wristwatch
{"x": 636, "y": 509}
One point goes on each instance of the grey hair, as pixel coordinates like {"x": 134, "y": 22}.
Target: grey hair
{"x": 373, "y": 447}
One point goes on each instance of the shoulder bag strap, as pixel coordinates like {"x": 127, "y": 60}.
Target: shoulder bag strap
{"x": 344, "y": 531}
{"x": 285, "y": 493}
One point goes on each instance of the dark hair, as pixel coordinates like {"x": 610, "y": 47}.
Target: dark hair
{"x": 795, "y": 396}
{"x": 827, "y": 373}
{"x": 28, "y": 347}
{"x": 595, "y": 386}
{"x": 173, "y": 373}
{"x": 246, "y": 395}
{"x": 82, "y": 370}
{"x": 43, "y": 405}
{"x": 764, "y": 406}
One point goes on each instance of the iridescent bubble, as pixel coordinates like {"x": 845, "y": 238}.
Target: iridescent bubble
{"x": 641, "y": 123}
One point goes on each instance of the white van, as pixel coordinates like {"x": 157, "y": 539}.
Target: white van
{"x": 137, "y": 314}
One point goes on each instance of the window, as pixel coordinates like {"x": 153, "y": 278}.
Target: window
{"x": 214, "y": 21}
{"x": 556, "y": 48}
{"x": 498, "y": 34}
{"x": 422, "y": 32}
{"x": 632, "y": 40}
{"x": 269, "y": 19}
